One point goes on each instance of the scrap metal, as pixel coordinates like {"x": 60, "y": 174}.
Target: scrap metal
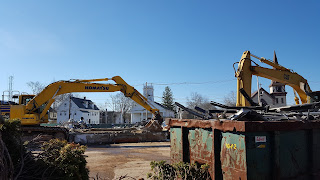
{"x": 252, "y": 142}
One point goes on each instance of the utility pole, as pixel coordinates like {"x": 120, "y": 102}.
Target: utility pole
{"x": 69, "y": 106}
{"x": 10, "y": 88}
{"x": 259, "y": 101}
{"x": 146, "y": 90}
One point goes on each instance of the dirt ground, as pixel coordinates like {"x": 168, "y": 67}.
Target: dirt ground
{"x": 127, "y": 159}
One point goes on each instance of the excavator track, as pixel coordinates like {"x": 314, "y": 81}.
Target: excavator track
{"x": 43, "y": 133}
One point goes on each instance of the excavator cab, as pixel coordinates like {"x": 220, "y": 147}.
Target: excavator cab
{"x": 24, "y": 99}
{"x": 315, "y": 96}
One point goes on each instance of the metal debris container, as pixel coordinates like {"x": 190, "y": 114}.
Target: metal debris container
{"x": 249, "y": 149}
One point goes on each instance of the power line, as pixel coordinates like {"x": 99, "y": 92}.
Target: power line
{"x": 189, "y": 83}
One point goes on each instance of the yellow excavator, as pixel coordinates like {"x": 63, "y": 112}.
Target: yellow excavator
{"x": 32, "y": 110}
{"x": 278, "y": 73}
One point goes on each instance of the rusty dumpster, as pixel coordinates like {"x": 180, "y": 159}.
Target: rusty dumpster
{"x": 248, "y": 149}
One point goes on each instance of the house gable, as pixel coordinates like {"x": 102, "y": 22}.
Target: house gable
{"x": 264, "y": 92}
{"x": 81, "y": 103}
{"x": 265, "y": 97}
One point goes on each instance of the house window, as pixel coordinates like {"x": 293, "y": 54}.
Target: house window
{"x": 75, "y": 113}
{"x": 277, "y": 101}
{"x": 65, "y": 104}
{"x": 282, "y": 100}
{"x": 65, "y": 114}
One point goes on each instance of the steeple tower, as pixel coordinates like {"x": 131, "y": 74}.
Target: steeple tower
{"x": 277, "y": 89}
{"x": 148, "y": 92}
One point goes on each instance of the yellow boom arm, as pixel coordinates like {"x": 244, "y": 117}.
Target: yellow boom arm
{"x": 35, "y": 110}
{"x": 279, "y": 73}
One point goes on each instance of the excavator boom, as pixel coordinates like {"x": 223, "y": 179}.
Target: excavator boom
{"x": 278, "y": 73}
{"x": 35, "y": 111}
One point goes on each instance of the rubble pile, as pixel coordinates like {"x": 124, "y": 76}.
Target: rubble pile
{"x": 302, "y": 112}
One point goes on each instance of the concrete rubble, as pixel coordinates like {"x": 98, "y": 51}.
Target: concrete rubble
{"x": 121, "y": 135}
{"x": 84, "y": 134}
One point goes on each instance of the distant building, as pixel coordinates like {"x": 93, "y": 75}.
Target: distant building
{"x": 114, "y": 117}
{"x": 75, "y": 108}
{"x": 138, "y": 113}
{"x": 52, "y": 115}
{"x": 103, "y": 117}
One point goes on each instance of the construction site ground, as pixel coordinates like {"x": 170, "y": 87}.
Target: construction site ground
{"x": 125, "y": 159}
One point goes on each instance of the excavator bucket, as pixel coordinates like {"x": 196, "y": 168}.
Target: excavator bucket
{"x": 153, "y": 126}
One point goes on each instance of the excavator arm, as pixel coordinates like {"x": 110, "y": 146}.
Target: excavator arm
{"x": 278, "y": 73}
{"x": 40, "y": 104}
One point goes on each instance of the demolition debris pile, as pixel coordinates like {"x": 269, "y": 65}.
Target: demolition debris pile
{"x": 304, "y": 112}
{"x": 250, "y": 142}
{"x": 121, "y": 135}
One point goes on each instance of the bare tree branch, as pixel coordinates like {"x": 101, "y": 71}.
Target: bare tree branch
{"x": 230, "y": 99}
{"x": 36, "y": 86}
{"x": 121, "y": 104}
{"x": 197, "y": 100}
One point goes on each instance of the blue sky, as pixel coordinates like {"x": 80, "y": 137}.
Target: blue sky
{"x": 160, "y": 42}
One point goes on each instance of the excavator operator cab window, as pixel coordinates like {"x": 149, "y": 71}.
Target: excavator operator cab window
{"x": 26, "y": 99}
{"x": 315, "y": 96}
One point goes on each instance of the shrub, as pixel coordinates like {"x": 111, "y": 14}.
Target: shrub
{"x": 165, "y": 171}
{"x": 58, "y": 159}
{"x": 67, "y": 159}
{"x": 11, "y": 137}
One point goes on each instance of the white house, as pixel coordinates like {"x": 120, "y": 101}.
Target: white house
{"x": 52, "y": 115}
{"x": 138, "y": 113}
{"x": 75, "y": 108}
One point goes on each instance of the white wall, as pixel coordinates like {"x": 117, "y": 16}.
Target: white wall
{"x": 264, "y": 96}
{"x": 281, "y": 101}
{"x": 138, "y": 113}
{"x": 272, "y": 102}
{"x": 76, "y": 113}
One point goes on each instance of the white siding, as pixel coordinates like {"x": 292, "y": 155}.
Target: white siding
{"x": 138, "y": 113}
{"x": 264, "y": 96}
{"x": 76, "y": 113}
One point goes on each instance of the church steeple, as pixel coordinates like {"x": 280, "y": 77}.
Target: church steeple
{"x": 275, "y": 60}
{"x": 277, "y": 89}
